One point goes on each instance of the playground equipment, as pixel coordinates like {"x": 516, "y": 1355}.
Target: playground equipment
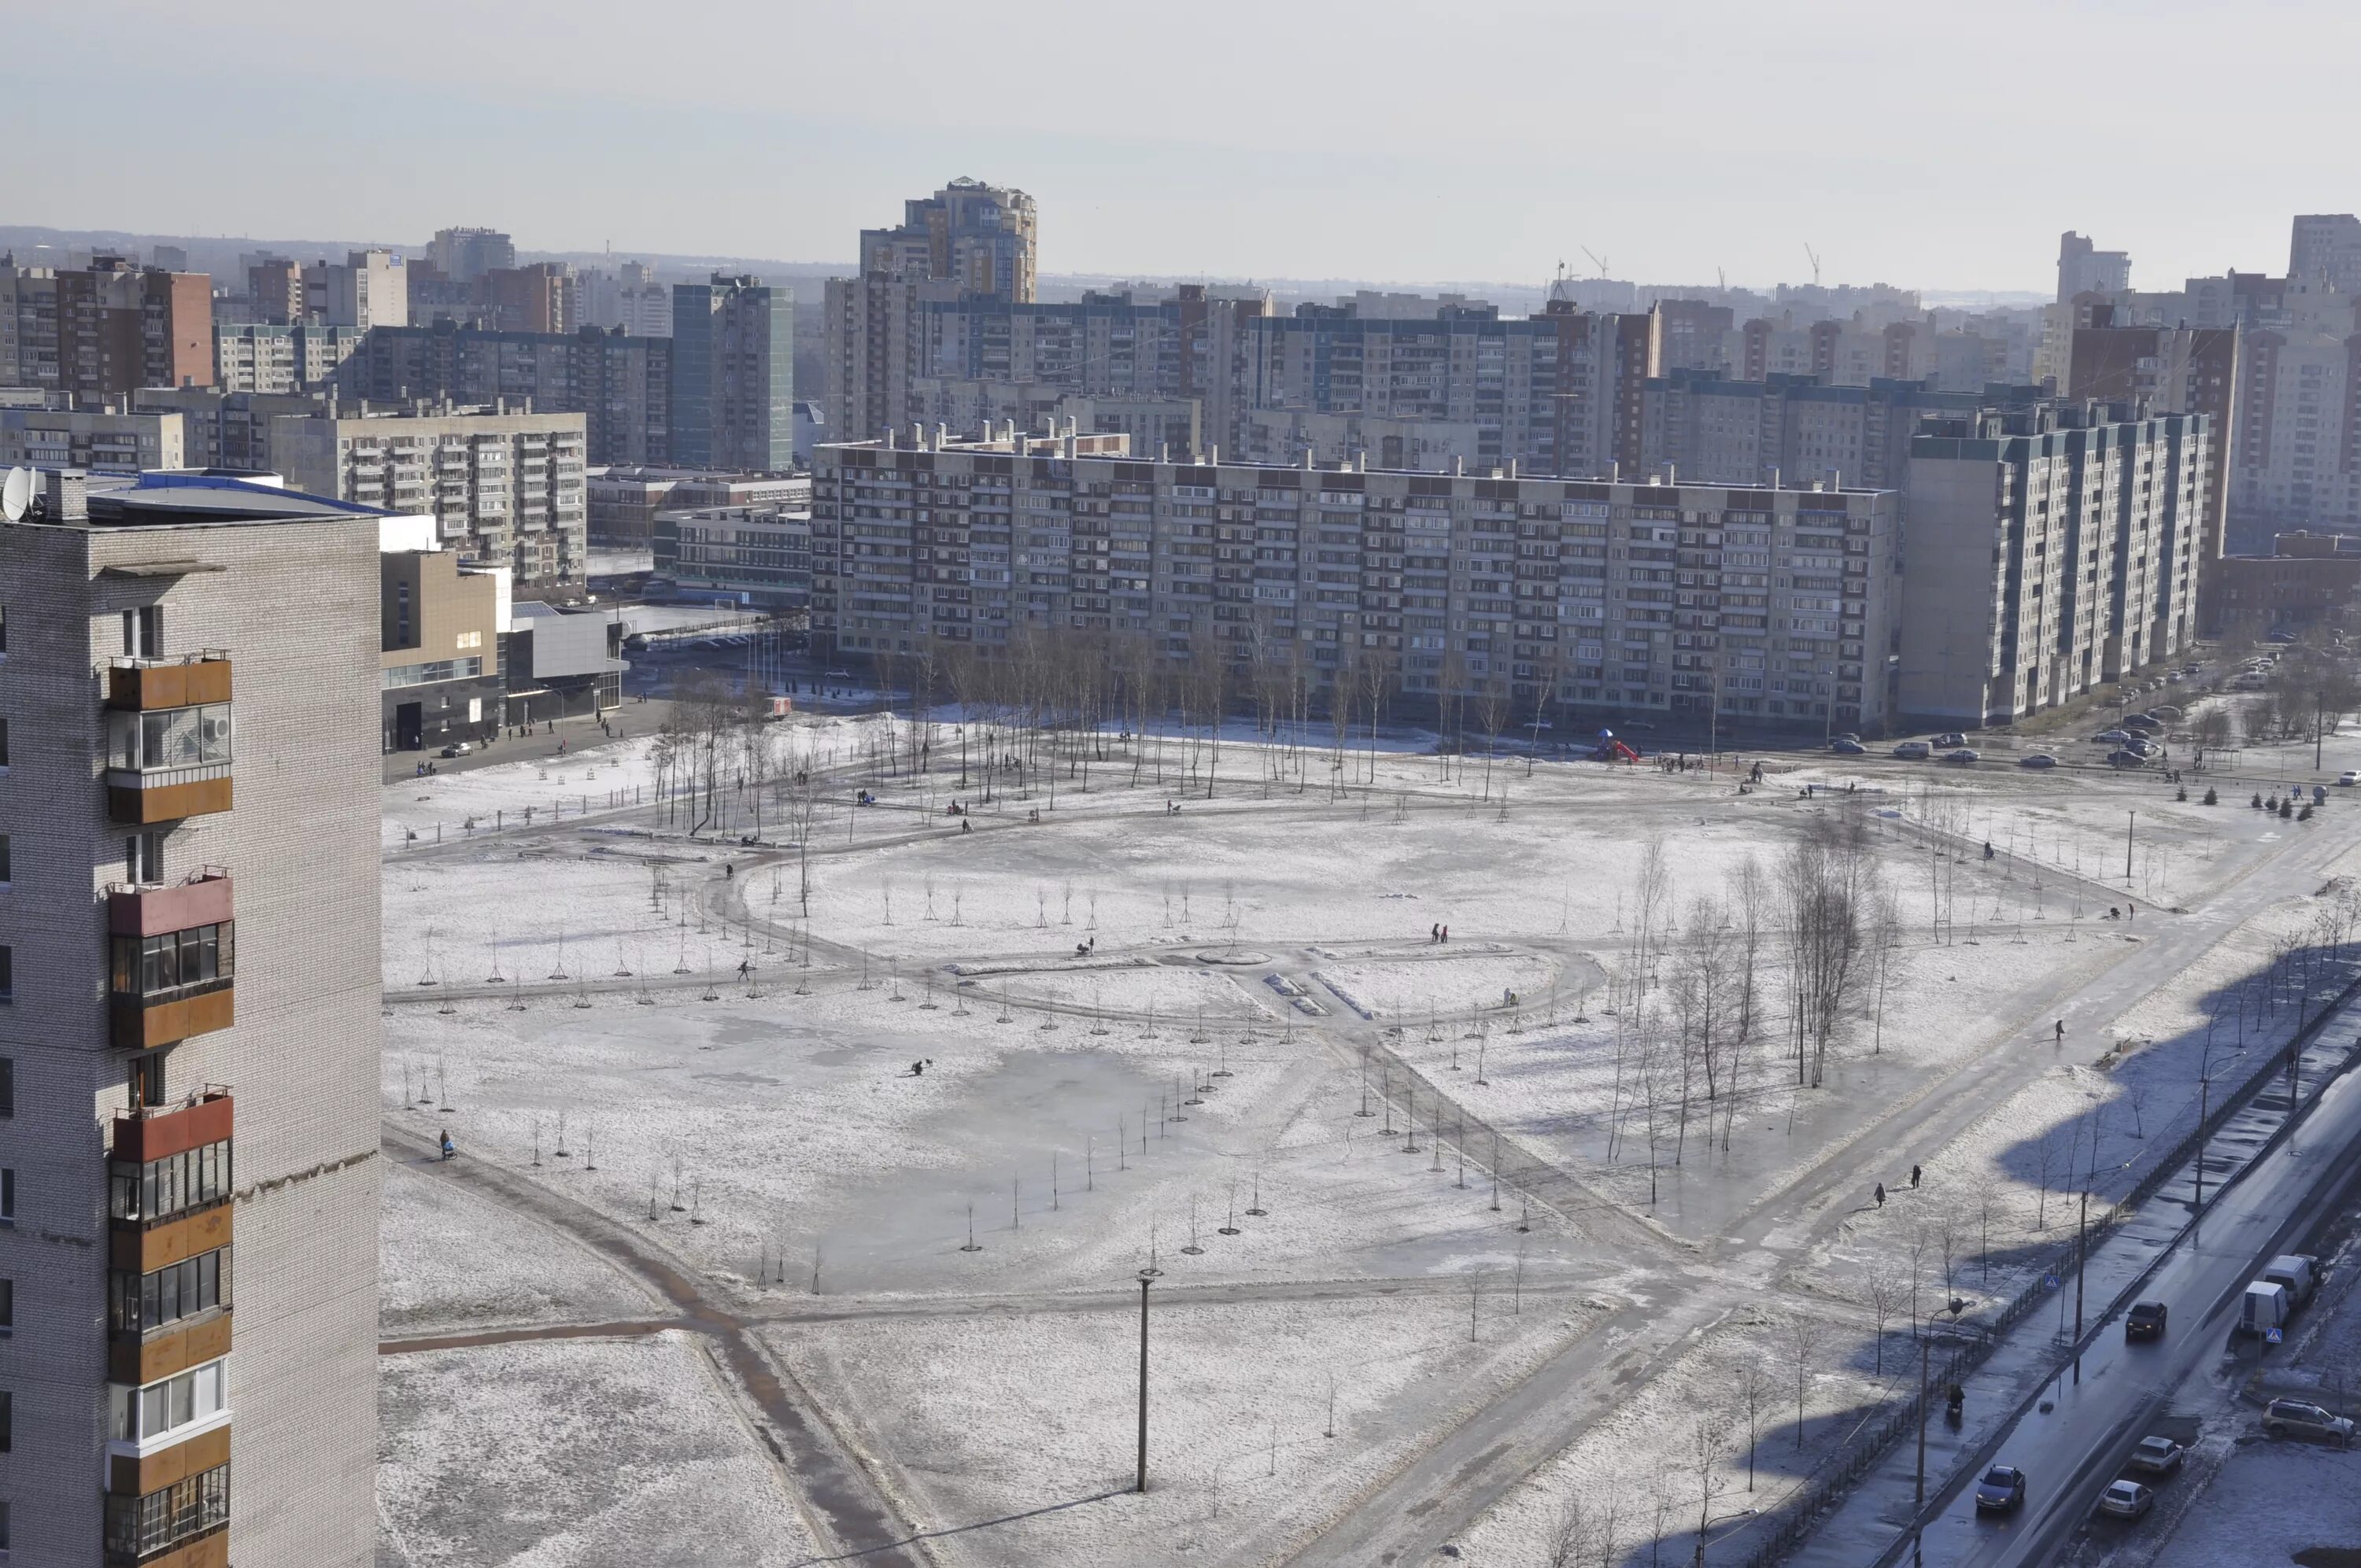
{"x": 1610, "y": 750}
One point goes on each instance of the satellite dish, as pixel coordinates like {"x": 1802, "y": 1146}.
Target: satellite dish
{"x": 16, "y": 494}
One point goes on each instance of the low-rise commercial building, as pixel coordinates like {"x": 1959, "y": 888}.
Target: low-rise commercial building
{"x": 626, "y": 501}
{"x": 2308, "y": 579}
{"x": 439, "y": 664}
{"x": 753, "y": 555}
{"x": 561, "y": 663}
{"x": 104, "y": 439}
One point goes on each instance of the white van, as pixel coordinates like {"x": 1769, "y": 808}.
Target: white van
{"x": 2298, "y": 1272}
{"x": 1914, "y": 751}
{"x": 2266, "y": 1307}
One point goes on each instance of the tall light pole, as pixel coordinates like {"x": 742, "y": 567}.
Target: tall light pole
{"x": 2204, "y": 1090}
{"x": 1918, "y": 1502}
{"x": 2128, "y": 826}
{"x": 1142, "y": 1484}
{"x": 2082, "y": 1267}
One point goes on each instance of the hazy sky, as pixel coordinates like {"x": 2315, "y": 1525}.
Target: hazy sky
{"x": 1940, "y": 145}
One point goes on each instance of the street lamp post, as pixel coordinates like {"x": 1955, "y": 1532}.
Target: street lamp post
{"x": 2205, "y": 1092}
{"x": 1919, "y": 1501}
{"x": 2128, "y": 826}
{"x": 1142, "y": 1484}
{"x": 2081, "y": 1262}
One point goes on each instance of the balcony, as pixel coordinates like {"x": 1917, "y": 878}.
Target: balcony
{"x": 165, "y": 763}
{"x": 141, "y": 685}
{"x": 171, "y": 981}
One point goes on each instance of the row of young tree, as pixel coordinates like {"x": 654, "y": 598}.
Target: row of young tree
{"x": 1789, "y": 959}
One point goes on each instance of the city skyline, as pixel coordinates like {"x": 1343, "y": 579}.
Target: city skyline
{"x": 1669, "y": 166}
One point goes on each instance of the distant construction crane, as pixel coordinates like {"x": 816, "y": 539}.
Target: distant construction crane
{"x": 1816, "y": 264}
{"x": 1596, "y": 260}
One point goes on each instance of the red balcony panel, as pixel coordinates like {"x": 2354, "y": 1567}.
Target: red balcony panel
{"x": 150, "y": 911}
{"x": 164, "y": 1130}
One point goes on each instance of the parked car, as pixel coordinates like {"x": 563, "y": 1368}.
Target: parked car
{"x": 1845, "y": 748}
{"x": 2139, "y": 747}
{"x": 2125, "y": 1500}
{"x": 1948, "y": 738}
{"x": 2142, "y": 722}
{"x": 1914, "y": 751}
{"x": 2175, "y": 678}
{"x": 2158, "y": 1455}
{"x": 2298, "y": 1418}
{"x": 1963, "y": 755}
{"x": 2002, "y": 1490}
{"x": 2265, "y": 1306}
{"x": 1851, "y": 736}
{"x": 2282, "y": 638}
{"x": 2147, "y": 1320}
{"x": 2170, "y": 714}
{"x": 458, "y": 748}
{"x": 2113, "y": 737}
{"x": 2348, "y": 778}
{"x": 2036, "y": 760}
{"x": 2125, "y": 759}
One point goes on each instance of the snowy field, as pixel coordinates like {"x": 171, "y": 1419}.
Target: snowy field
{"x": 918, "y": 1103}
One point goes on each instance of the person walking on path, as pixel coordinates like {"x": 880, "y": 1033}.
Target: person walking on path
{"x": 1913, "y": 1177}
{"x": 2061, "y": 1031}
{"x": 1880, "y": 1195}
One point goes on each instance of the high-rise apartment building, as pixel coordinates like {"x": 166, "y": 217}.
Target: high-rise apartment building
{"x": 629, "y": 298}
{"x": 2050, "y": 551}
{"x": 733, "y": 375}
{"x": 543, "y": 297}
{"x": 1795, "y": 428}
{"x": 465, "y": 255}
{"x": 370, "y": 288}
{"x": 274, "y": 287}
{"x": 259, "y": 357}
{"x": 2296, "y": 449}
{"x": 121, "y": 328}
{"x": 223, "y": 428}
{"x": 506, "y": 489}
{"x": 2170, "y": 369}
{"x": 2324, "y": 251}
{"x": 28, "y": 325}
{"x": 189, "y": 962}
{"x": 1777, "y": 606}
{"x": 620, "y": 384}
{"x": 2084, "y": 269}
{"x": 968, "y": 241}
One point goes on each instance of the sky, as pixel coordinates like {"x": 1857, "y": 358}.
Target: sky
{"x": 1943, "y": 147}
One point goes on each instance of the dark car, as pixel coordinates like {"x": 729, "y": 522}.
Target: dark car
{"x": 2002, "y": 1490}
{"x": 2126, "y": 759}
{"x": 2142, "y": 721}
{"x": 1843, "y": 748}
{"x": 2146, "y": 1322}
{"x": 2282, "y": 638}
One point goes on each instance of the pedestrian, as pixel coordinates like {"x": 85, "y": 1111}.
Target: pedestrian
{"x": 1446, "y": 933}
{"x": 1913, "y": 1175}
{"x": 447, "y": 1149}
{"x": 1434, "y": 932}
{"x": 919, "y": 1068}
{"x": 2061, "y": 1031}
{"x": 1880, "y": 1195}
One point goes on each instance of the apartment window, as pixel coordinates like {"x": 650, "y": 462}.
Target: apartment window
{"x": 161, "y": 1189}
{"x": 7, "y": 974}
{"x": 139, "y": 1302}
{"x": 146, "y": 1084}
{"x": 7, "y": 1308}
{"x": 7, "y": 1195}
{"x": 169, "y": 738}
{"x": 137, "y": 1415}
{"x": 8, "y": 1420}
{"x": 3, "y": 743}
{"x": 143, "y": 856}
{"x": 5, "y": 877}
{"x": 142, "y": 1526}
{"x": 143, "y": 633}
{"x": 4, "y": 629}
{"x": 176, "y": 963}
{"x": 8, "y": 1086}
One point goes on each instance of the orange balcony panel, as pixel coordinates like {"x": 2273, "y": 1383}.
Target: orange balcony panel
{"x": 167, "y": 797}
{"x": 135, "y": 1477}
{"x": 182, "y": 683}
{"x": 134, "y": 1360}
{"x": 145, "y": 1251}
{"x": 150, "y": 911}
{"x": 143, "y": 1027}
{"x": 162, "y": 1131}
{"x": 211, "y": 1550}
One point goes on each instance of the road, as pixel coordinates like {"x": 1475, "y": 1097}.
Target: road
{"x": 2072, "y": 1450}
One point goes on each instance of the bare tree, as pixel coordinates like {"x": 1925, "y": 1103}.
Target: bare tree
{"x": 1755, "y": 1386}
{"x": 1803, "y": 1338}
{"x": 1748, "y": 897}
{"x": 1884, "y": 1293}
{"x": 1568, "y": 1535}
{"x": 1705, "y": 1463}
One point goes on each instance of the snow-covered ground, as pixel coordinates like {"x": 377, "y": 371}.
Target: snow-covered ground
{"x": 832, "y": 1128}
{"x": 575, "y": 1452}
